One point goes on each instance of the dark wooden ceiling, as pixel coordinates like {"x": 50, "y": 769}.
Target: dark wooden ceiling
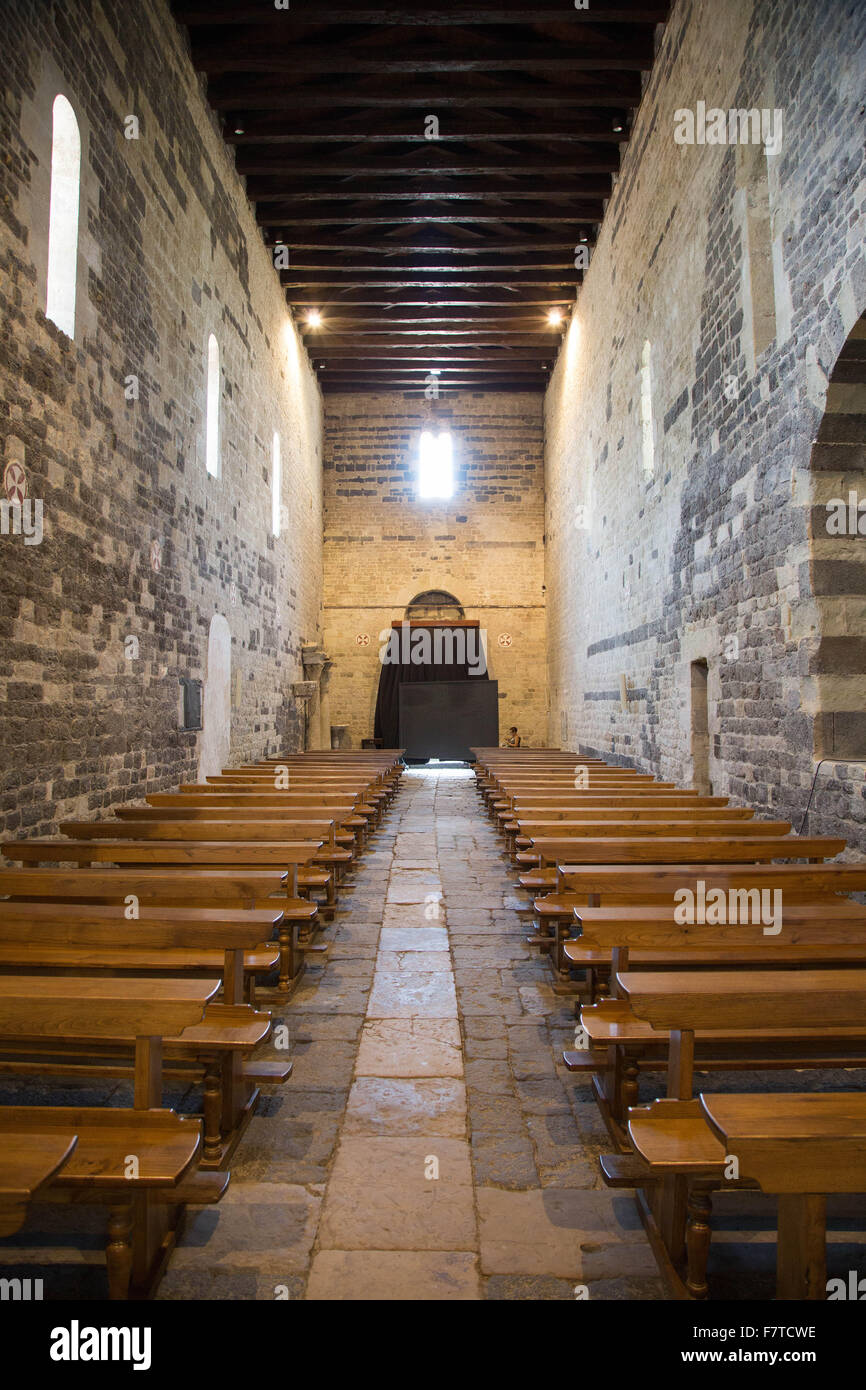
{"x": 423, "y": 254}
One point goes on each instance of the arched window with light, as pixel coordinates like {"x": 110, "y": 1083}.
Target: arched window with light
{"x": 435, "y": 465}
{"x": 212, "y": 415}
{"x": 63, "y": 217}
{"x": 276, "y": 486}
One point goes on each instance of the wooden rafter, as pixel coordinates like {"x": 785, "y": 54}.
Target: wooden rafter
{"x": 422, "y": 247}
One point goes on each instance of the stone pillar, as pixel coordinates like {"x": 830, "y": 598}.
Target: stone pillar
{"x": 317, "y": 668}
{"x": 325, "y": 706}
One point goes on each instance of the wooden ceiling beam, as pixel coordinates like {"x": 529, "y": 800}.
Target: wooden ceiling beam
{"x": 340, "y": 61}
{"x": 497, "y": 187}
{"x": 253, "y": 94}
{"x": 544, "y": 214}
{"x": 406, "y": 292}
{"x": 305, "y": 14}
{"x": 439, "y": 353}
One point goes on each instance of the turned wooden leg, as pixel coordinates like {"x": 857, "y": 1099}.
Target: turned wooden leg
{"x": 629, "y": 1084}
{"x": 212, "y": 1137}
{"x": 699, "y": 1209}
{"x": 286, "y": 935}
{"x": 118, "y": 1252}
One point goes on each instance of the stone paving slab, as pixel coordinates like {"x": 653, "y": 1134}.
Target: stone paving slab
{"x": 402, "y": 1107}
{"x": 388, "y": 1275}
{"x": 408, "y": 994}
{"x": 378, "y": 1196}
{"x": 410, "y": 1047}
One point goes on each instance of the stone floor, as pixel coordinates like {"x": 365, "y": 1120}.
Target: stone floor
{"x": 429, "y": 1144}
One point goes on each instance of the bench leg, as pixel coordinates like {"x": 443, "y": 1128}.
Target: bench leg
{"x": 287, "y": 956}
{"x": 153, "y": 1226}
{"x": 698, "y": 1234}
{"x": 801, "y": 1247}
{"x": 213, "y": 1105}
{"x": 118, "y": 1252}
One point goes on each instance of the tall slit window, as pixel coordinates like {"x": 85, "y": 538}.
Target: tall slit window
{"x": 436, "y": 465}
{"x": 276, "y": 487}
{"x": 212, "y": 426}
{"x": 63, "y": 217}
{"x": 646, "y": 411}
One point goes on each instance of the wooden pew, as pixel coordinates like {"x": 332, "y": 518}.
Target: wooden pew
{"x": 28, "y": 1160}
{"x": 179, "y": 873}
{"x": 75, "y": 940}
{"x": 773, "y": 1001}
{"x": 85, "y": 938}
{"x": 153, "y": 887}
{"x": 145, "y": 1203}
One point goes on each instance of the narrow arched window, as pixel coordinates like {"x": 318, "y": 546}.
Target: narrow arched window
{"x": 212, "y": 435}
{"x": 276, "y": 487}
{"x": 646, "y": 411}
{"x": 435, "y": 465}
{"x": 63, "y": 217}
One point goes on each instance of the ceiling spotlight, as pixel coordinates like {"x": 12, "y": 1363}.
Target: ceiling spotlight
{"x": 435, "y": 371}
{"x": 554, "y": 317}
{"x": 239, "y": 130}
{"x": 314, "y": 319}
{"x": 617, "y": 129}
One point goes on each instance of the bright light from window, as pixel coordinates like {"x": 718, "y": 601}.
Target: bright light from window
{"x": 276, "y": 487}
{"x": 212, "y": 438}
{"x": 435, "y": 469}
{"x": 63, "y": 217}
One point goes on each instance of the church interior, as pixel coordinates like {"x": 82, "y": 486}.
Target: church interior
{"x": 433, "y": 630}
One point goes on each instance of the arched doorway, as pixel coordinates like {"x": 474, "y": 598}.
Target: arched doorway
{"x": 837, "y": 656}
{"x": 216, "y": 704}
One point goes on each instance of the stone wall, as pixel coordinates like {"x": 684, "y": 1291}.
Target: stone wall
{"x": 383, "y": 545}
{"x": 139, "y": 542}
{"x": 687, "y": 537}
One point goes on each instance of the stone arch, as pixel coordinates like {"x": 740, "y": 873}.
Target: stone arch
{"x": 835, "y": 667}
{"x": 435, "y": 603}
{"x": 216, "y": 702}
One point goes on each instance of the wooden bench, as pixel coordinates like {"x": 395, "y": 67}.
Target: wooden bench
{"x": 594, "y": 885}
{"x": 682, "y": 1005}
{"x": 145, "y": 1202}
{"x": 216, "y": 1053}
{"x": 28, "y": 1160}
{"x": 175, "y": 873}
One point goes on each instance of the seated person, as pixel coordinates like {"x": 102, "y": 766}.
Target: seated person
{"x": 513, "y": 740}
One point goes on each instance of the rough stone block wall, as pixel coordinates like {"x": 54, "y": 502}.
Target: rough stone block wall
{"x": 746, "y": 275}
{"x": 168, "y": 253}
{"x": 384, "y": 545}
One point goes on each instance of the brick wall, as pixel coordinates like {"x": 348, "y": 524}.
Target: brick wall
{"x": 746, "y": 275}
{"x": 168, "y": 253}
{"x": 486, "y": 547}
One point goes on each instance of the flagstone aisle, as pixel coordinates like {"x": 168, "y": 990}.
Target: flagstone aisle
{"x": 428, "y": 1145}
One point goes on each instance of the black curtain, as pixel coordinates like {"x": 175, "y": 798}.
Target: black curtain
{"x": 394, "y": 673}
